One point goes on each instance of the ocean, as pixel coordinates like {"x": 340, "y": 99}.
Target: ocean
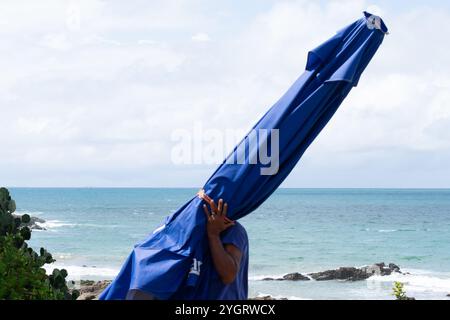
{"x": 90, "y": 232}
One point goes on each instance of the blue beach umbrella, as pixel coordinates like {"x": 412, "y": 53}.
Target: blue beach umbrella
{"x": 169, "y": 260}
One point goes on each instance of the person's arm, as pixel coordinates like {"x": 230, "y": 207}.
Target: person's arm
{"x": 226, "y": 258}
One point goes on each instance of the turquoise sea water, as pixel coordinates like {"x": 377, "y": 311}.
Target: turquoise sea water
{"x": 90, "y": 231}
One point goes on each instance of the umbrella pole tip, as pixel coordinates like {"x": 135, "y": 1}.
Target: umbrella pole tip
{"x": 375, "y": 22}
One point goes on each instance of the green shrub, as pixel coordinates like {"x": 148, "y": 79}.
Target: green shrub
{"x": 399, "y": 292}
{"x": 22, "y": 275}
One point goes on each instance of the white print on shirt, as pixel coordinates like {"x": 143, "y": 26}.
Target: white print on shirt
{"x": 195, "y": 269}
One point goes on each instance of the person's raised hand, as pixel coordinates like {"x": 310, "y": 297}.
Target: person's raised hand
{"x": 216, "y": 220}
{"x": 215, "y": 208}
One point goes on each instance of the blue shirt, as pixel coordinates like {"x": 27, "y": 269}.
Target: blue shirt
{"x": 210, "y": 286}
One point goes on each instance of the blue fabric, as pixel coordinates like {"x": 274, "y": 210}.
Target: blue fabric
{"x": 210, "y": 286}
{"x": 163, "y": 264}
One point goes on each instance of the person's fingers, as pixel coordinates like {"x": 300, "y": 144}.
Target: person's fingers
{"x": 219, "y": 207}
{"x": 225, "y": 210}
{"x": 205, "y": 209}
{"x": 210, "y": 202}
{"x": 213, "y": 206}
{"x": 205, "y": 196}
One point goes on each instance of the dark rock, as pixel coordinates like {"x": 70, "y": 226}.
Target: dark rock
{"x": 356, "y": 274}
{"x": 87, "y": 296}
{"x": 290, "y": 276}
{"x": 268, "y": 297}
{"x": 90, "y": 290}
{"x": 86, "y": 283}
{"x": 295, "y": 277}
{"x": 343, "y": 273}
{"x": 384, "y": 271}
{"x": 394, "y": 267}
{"x": 381, "y": 269}
{"x": 378, "y": 269}
{"x": 262, "y": 297}
{"x": 33, "y": 224}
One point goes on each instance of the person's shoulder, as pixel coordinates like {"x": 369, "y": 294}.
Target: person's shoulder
{"x": 237, "y": 236}
{"x": 239, "y": 228}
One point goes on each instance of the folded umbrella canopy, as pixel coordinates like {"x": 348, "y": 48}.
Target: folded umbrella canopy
{"x": 169, "y": 260}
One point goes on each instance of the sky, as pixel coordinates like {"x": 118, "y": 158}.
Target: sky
{"x": 92, "y": 91}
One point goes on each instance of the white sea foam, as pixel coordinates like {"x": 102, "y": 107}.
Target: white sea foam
{"x": 260, "y": 295}
{"x": 138, "y": 213}
{"x": 421, "y": 284}
{"x": 86, "y": 273}
{"x": 261, "y": 277}
{"x": 393, "y": 230}
{"x": 31, "y": 213}
{"x": 418, "y": 281}
{"x": 63, "y": 256}
{"x": 54, "y": 224}
{"x": 94, "y": 225}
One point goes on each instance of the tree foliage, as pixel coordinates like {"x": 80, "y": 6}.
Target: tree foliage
{"x": 22, "y": 275}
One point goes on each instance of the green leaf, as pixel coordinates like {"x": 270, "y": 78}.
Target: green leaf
{"x": 25, "y": 233}
{"x": 12, "y": 206}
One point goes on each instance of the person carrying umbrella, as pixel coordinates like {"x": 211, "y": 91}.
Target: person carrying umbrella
{"x": 198, "y": 253}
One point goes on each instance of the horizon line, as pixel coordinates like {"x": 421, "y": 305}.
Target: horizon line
{"x": 148, "y": 187}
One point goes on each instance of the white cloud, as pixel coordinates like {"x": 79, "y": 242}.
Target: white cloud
{"x": 374, "y": 9}
{"x": 92, "y": 90}
{"x": 56, "y": 41}
{"x": 200, "y": 37}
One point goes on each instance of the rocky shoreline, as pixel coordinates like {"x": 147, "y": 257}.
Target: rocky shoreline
{"x": 343, "y": 273}
{"x": 33, "y": 224}
{"x": 90, "y": 290}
